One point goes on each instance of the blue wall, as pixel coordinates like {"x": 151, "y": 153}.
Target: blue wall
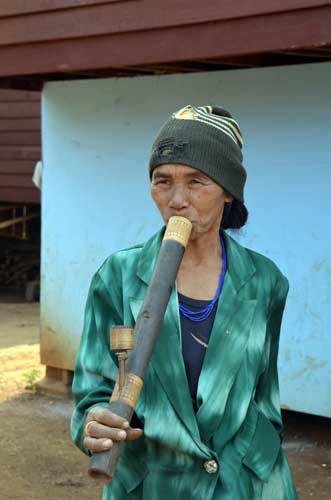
{"x": 96, "y": 140}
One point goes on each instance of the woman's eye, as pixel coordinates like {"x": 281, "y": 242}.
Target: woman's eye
{"x": 163, "y": 182}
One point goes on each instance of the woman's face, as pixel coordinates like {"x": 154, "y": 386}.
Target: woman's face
{"x": 182, "y": 190}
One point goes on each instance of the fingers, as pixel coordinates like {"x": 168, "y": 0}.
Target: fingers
{"x": 102, "y": 438}
{"x": 103, "y": 427}
{"x": 95, "y": 445}
{"x": 133, "y": 434}
{"x": 107, "y": 417}
{"x": 97, "y": 430}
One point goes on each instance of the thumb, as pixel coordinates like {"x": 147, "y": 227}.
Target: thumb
{"x": 133, "y": 434}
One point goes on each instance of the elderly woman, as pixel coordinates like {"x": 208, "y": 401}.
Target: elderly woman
{"x": 208, "y": 423}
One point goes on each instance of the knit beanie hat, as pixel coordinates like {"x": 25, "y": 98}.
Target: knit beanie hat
{"x": 206, "y": 138}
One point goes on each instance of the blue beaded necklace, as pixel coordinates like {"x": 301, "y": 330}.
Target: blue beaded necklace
{"x": 206, "y": 311}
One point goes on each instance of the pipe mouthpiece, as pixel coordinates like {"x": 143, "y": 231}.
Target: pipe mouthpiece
{"x": 178, "y": 229}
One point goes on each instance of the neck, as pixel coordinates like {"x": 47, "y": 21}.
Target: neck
{"x": 199, "y": 272}
{"x": 200, "y": 249}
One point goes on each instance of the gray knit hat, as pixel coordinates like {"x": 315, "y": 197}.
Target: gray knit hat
{"x": 206, "y": 138}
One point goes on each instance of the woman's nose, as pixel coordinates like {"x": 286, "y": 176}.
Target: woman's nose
{"x": 179, "y": 197}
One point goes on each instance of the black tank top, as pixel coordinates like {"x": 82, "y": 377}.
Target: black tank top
{"x": 195, "y": 338}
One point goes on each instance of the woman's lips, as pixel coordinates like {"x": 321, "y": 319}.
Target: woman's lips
{"x": 182, "y": 215}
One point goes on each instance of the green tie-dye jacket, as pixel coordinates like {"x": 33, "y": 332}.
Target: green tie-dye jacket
{"x": 238, "y": 424}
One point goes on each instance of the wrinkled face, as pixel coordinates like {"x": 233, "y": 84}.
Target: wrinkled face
{"x": 182, "y": 190}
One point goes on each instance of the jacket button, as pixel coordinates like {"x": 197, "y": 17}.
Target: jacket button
{"x": 210, "y": 466}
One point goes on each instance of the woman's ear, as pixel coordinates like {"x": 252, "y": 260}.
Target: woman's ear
{"x": 228, "y": 198}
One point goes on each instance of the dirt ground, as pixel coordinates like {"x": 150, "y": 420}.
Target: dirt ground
{"x": 38, "y": 460}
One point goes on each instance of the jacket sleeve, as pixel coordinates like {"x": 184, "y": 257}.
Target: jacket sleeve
{"x": 267, "y": 392}
{"x": 95, "y": 371}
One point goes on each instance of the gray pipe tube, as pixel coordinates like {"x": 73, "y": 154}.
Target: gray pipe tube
{"x": 103, "y": 464}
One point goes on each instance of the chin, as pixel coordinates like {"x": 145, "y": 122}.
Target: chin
{"x": 194, "y": 235}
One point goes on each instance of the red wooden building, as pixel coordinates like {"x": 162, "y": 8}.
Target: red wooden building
{"x": 43, "y": 40}
{"x": 20, "y": 149}
{"x": 20, "y": 146}
{"x": 66, "y": 39}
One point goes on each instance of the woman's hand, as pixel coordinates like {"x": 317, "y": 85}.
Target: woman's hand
{"x": 103, "y": 427}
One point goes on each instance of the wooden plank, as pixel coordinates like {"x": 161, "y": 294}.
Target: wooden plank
{"x": 19, "y": 83}
{"x": 20, "y": 124}
{"x": 22, "y": 181}
{"x": 17, "y": 138}
{"x": 18, "y": 95}
{"x": 20, "y": 153}
{"x": 18, "y": 220}
{"x": 15, "y": 7}
{"x": 118, "y": 17}
{"x": 20, "y": 195}
{"x": 17, "y": 167}
{"x": 20, "y": 109}
{"x": 295, "y": 30}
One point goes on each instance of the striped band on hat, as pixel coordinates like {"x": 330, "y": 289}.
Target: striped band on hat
{"x": 215, "y": 117}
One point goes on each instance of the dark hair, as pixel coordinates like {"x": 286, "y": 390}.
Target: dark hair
{"x": 235, "y": 215}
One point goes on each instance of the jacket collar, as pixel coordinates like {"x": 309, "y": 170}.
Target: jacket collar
{"x": 240, "y": 264}
{"x": 148, "y": 256}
